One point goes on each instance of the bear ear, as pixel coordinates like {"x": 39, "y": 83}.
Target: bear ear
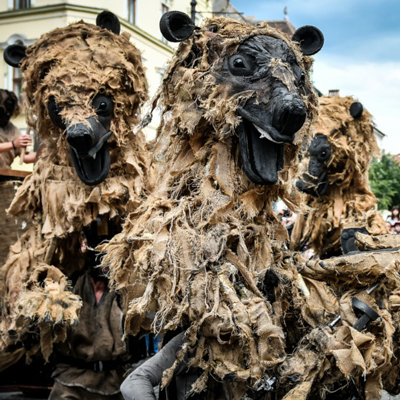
{"x": 176, "y": 26}
{"x": 14, "y": 54}
{"x": 310, "y": 38}
{"x": 356, "y": 110}
{"x": 108, "y": 20}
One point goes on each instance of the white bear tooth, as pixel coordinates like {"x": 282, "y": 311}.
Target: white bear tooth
{"x": 265, "y": 134}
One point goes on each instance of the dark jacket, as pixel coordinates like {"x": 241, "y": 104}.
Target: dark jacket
{"x": 97, "y": 338}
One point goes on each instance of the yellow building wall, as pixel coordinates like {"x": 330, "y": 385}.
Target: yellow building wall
{"x": 46, "y": 15}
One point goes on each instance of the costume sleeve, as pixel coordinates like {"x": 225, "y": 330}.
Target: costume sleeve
{"x": 139, "y": 384}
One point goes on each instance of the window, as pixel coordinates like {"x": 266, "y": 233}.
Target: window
{"x": 17, "y": 83}
{"x": 22, "y": 4}
{"x": 160, "y": 72}
{"x": 164, "y": 9}
{"x": 132, "y": 11}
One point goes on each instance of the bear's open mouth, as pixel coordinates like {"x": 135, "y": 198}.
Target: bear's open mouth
{"x": 262, "y": 155}
{"x": 92, "y": 168}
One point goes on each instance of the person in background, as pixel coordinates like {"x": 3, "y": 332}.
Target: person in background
{"x": 152, "y": 343}
{"x": 389, "y": 227}
{"x": 11, "y": 139}
{"x": 397, "y": 228}
{"x": 394, "y": 217}
{"x": 287, "y": 217}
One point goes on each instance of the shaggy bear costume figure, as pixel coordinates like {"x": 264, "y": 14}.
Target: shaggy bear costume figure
{"x": 335, "y": 178}
{"x": 206, "y": 253}
{"x": 83, "y": 88}
{"x": 237, "y": 103}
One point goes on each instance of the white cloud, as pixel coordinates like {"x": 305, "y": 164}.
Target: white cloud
{"x": 375, "y": 85}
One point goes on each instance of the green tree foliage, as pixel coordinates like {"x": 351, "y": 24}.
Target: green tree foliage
{"x": 384, "y": 179}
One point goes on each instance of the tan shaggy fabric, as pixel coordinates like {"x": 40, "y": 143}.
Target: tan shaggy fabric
{"x": 11, "y": 227}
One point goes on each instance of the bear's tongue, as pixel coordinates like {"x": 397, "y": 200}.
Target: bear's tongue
{"x": 92, "y": 170}
{"x": 262, "y": 158}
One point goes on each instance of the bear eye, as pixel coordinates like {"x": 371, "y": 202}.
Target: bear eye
{"x": 242, "y": 65}
{"x": 302, "y": 79}
{"x": 103, "y": 105}
{"x": 54, "y": 111}
{"x": 238, "y": 63}
{"x": 324, "y": 155}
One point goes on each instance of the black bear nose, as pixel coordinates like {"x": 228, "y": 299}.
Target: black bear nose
{"x": 80, "y": 137}
{"x": 289, "y": 114}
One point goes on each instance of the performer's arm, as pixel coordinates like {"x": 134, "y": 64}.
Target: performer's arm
{"x": 30, "y": 158}
{"x": 139, "y": 384}
{"x": 21, "y": 141}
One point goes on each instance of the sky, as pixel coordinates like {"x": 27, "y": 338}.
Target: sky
{"x": 361, "y": 54}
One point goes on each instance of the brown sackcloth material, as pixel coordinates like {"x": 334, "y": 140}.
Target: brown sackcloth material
{"x": 11, "y": 227}
{"x": 326, "y": 358}
{"x": 348, "y": 202}
{"x": 197, "y": 250}
{"x": 72, "y": 64}
{"x": 366, "y": 242}
{"x": 98, "y": 337}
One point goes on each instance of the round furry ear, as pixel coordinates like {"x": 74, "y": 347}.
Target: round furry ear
{"x": 176, "y": 26}
{"x": 14, "y": 54}
{"x": 356, "y": 110}
{"x": 107, "y": 20}
{"x": 310, "y": 38}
